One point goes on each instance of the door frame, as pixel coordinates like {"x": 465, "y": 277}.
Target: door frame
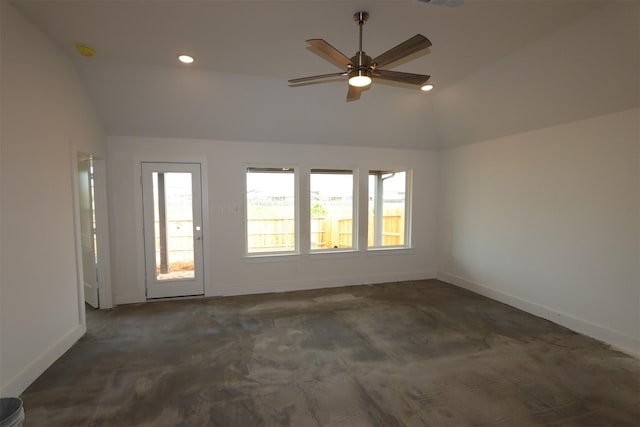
{"x": 102, "y": 231}
{"x": 140, "y": 295}
{"x": 88, "y": 238}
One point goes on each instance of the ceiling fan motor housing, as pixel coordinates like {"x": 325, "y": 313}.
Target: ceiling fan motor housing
{"x": 361, "y": 61}
{"x": 361, "y": 65}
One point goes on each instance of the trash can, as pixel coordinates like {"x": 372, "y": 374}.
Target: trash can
{"x": 11, "y": 412}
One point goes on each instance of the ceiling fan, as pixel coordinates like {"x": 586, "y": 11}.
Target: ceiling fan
{"x": 361, "y": 68}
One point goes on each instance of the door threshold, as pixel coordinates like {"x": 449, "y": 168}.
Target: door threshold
{"x": 175, "y": 298}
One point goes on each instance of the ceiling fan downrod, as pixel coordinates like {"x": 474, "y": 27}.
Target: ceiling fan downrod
{"x": 363, "y": 67}
{"x": 360, "y": 18}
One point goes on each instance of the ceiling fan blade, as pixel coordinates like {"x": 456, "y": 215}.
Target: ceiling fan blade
{"x": 354, "y": 93}
{"x": 398, "y": 76}
{"x": 406, "y": 48}
{"x": 334, "y": 54}
{"x": 318, "y": 77}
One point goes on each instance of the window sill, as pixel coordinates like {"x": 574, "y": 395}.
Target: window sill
{"x": 268, "y": 257}
{"x": 330, "y": 253}
{"x": 390, "y": 250}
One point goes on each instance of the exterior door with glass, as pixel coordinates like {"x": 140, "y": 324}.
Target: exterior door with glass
{"x": 172, "y": 205}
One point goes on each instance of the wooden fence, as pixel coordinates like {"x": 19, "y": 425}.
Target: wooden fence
{"x": 331, "y": 232}
{"x": 272, "y": 234}
{"x": 278, "y": 234}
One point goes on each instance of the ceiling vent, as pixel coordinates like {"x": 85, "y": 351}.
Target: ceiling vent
{"x": 448, "y": 3}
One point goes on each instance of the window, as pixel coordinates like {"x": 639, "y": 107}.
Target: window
{"x": 388, "y": 209}
{"x": 271, "y": 210}
{"x": 331, "y": 209}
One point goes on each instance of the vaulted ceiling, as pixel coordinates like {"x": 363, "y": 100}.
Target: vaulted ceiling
{"x": 490, "y": 61}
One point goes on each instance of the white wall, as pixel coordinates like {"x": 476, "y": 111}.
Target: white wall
{"x": 45, "y": 116}
{"x": 548, "y": 221}
{"x": 227, "y": 271}
{"x": 588, "y": 68}
{"x": 177, "y": 102}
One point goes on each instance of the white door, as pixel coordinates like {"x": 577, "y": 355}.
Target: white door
{"x": 88, "y": 230}
{"x": 172, "y": 204}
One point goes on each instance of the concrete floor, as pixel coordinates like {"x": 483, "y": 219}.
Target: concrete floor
{"x": 404, "y": 354}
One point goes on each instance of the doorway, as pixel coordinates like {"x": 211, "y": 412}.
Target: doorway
{"x": 88, "y": 243}
{"x": 92, "y": 230}
{"x": 172, "y": 222}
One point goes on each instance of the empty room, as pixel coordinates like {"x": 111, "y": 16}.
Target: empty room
{"x": 320, "y": 213}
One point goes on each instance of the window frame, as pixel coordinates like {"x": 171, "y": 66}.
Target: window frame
{"x": 408, "y": 203}
{"x": 354, "y": 209}
{"x": 280, "y": 168}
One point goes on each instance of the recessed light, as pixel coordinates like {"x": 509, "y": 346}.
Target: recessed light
{"x": 428, "y": 87}
{"x": 185, "y": 59}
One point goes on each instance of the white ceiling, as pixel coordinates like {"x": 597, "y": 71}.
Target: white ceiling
{"x": 267, "y": 38}
{"x": 140, "y": 89}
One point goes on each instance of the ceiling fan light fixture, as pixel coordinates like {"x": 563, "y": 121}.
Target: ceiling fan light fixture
{"x": 427, "y": 87}
{"x": 360, "y": 79}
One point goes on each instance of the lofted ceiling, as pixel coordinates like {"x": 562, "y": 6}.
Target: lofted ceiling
{"x": 246, "y": 50}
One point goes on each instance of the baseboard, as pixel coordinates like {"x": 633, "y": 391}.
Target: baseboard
{"x": 318, "y": 283}
{"x": 619, "y": 341}
{"x": 19, "y": 383}
{"x": 129, "y": 298}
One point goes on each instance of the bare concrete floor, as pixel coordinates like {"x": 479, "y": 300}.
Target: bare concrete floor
{"x": 418, "y": 353}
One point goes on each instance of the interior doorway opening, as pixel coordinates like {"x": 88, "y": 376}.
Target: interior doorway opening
{"x": 92, "y": 229}
{"x": 88, "y": 240}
